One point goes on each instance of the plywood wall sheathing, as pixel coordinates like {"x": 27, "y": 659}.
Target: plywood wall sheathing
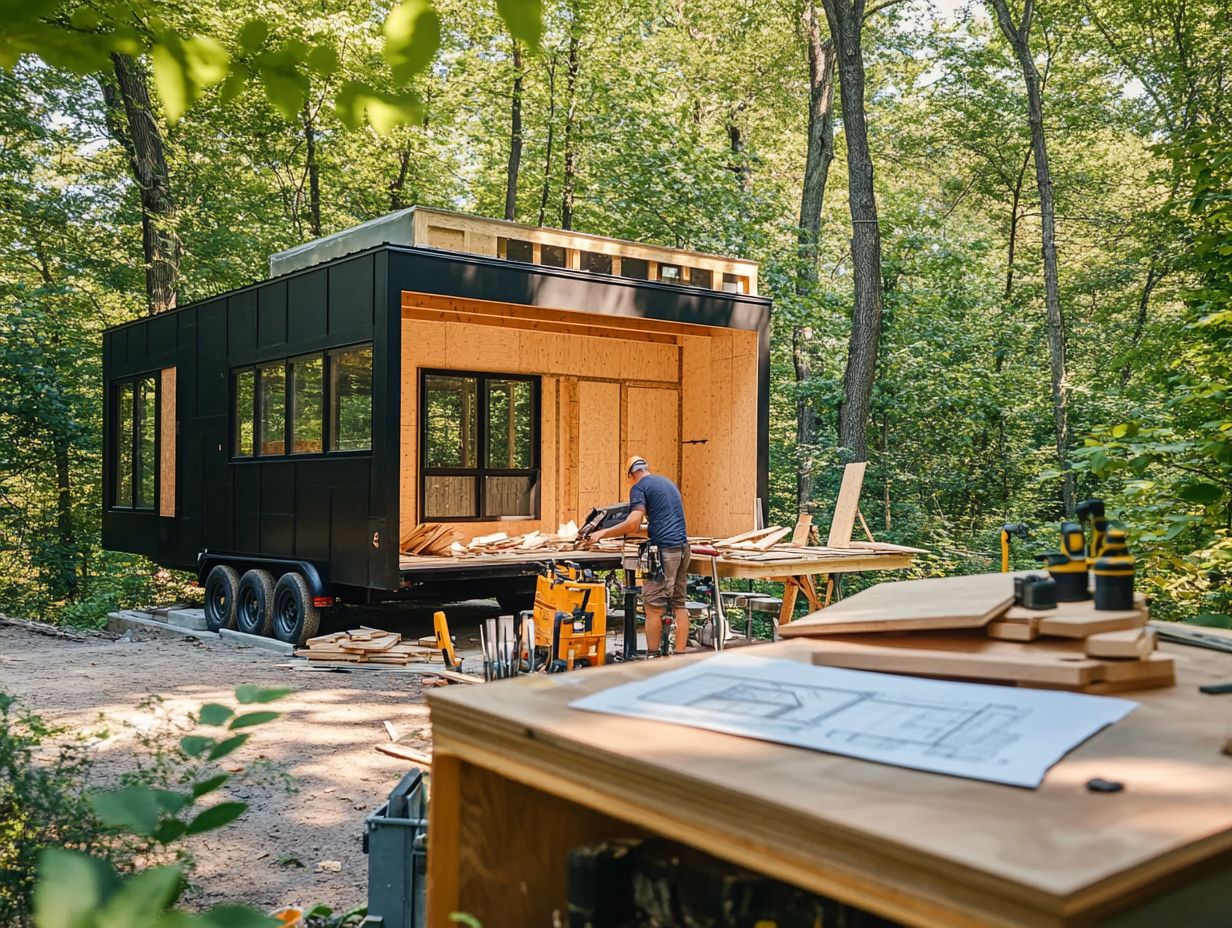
{"x": 685, "y": 398}
{"x": 166, "y": 443}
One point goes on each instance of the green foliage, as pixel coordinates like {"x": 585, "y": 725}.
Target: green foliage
{"x": 41, "y": 805}
{"x": 80, "y": 889}
{"x": 186, "y": 62}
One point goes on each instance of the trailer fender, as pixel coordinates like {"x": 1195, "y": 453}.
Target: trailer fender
{"x": 242, "y": 562}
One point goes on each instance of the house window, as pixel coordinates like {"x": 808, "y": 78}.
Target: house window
{"x": 279, "y": 407}
{"x": 514, "y": 249}
{"x": 553, "y": 256}
{"x": 479, "y": 446}
{"x": 735, "y": 283}
{"x": 307, "y": 404}
{"x": 635, "y": 267}
{"x": 595, "y": 263}
{"x": 245, "y": 392}
{"x": 272, "y": 406}
{"x": 671, "y": 273}
{"x": 136, "y": 432}
{"x": 350, "y": 390}
{"x": 700, "y": 277}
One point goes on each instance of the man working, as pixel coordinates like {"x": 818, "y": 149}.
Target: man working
{"x": 657, "y": 498}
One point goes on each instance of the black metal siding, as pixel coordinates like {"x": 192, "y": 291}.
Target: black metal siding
{"x": 321, "y": 508}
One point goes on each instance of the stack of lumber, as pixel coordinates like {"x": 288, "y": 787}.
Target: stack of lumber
{"x": 366, "y": 646}
{"x": 429, "y": 539}
{"x": 564, "y": 539}
{"x": 969, "y": 628}
{"x": 766, "y": 545}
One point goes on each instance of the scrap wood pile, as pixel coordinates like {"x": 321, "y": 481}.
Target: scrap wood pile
{"x": 366, "y": 646}
{"x": 772, "y": 544}
{"x": 442, "y": 541}
{"x": 970, "y": 628}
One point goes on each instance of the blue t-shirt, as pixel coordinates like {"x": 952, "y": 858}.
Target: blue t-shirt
{"x": 660, "y": 499}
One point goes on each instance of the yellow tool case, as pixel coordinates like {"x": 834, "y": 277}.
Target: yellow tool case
{"x": 570, "y": 617}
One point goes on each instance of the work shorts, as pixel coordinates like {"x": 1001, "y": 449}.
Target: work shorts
{"x": 672, "y": 590}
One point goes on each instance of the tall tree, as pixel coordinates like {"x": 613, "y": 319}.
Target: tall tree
{"x": 132, "y": 123}
{"x": 572, "y": 69}
{"x": 1019, "y": 36}
{"x": 819, "y": 154}
{"x": 846, "y": 21}
{"x": 515, "y": 136}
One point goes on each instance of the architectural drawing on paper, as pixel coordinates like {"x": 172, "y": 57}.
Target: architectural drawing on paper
{"x": 971, "y": 731}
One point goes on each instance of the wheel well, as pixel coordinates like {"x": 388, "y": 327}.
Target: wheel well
{"x": 206, "y": 560}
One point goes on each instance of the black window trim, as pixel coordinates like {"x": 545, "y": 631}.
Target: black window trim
{"x": 480, "y": 471}
{"x": 327, "y": 355}
{"x": 116, "y": 385}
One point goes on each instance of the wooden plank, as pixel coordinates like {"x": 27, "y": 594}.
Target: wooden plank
{"x": 653, "y": 431}
{"x": 956, "y": 655}
{"x": 907, "y": 605}
{"x": 847, "y": 504}
{"x": 800, "y": 535}
{"x": 597, "y": 452}
{"x": 1013, "y": 629}
{"x": 167, "y": 441}
{"x": 1125, "y": 643}
{"x": 1079, "y": 626}
{"x": 771, "y": 539}
{"x": 402, "y": 752}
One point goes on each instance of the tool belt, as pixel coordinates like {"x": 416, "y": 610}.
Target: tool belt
{"x": 650, "y": 561}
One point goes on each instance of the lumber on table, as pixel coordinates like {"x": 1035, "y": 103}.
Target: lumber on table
{"x": 846, "y": 505}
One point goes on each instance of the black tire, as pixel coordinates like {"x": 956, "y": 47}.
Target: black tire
{"x": 221, "y": 586}
{"x": 295, "y": 618}
{"x": 254, "y": 604}
{"x": 515, "y": 602}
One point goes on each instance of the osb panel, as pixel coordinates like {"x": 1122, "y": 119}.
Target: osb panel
{"x": 652, "y": 429}
{"x": 166, "y": 444}
{"x": 598, "y": 447}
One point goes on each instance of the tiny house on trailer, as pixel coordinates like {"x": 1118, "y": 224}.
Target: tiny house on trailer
{"x": 427, "y": 367}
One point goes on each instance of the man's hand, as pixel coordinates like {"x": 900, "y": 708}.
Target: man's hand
{"x": 596, "y": 535}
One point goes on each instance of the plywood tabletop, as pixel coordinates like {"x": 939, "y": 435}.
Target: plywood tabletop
{"x": 904, "y": 842}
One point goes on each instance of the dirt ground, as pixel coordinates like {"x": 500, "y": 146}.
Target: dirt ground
{"x": 289, "y": 847}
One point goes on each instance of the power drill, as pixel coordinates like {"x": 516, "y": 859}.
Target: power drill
{"x": 1068, "y": 567}
{"x": 1092, "y": 510}
{"x": 1114, "y": 573}
{"x": 1010, "y": 528}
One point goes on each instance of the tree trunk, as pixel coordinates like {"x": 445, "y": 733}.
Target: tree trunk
{"x": 398, "y": 184}
{"x": 131, "y": 122}
{"x": 1019, "y": 38}
{"x": 1009, "y": 258}
{"x": 846, "y": 17}
{"x": 818, "y": 157}
{"x": 515, "y": 137}
{"x": 551, "y": 130}
{"x": 314, "y": 174}
{"x": 740, "y": 164}
{"x": 570, "y": 166}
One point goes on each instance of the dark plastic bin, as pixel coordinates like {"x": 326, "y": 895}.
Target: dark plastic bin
{"x": 396, "y": 842}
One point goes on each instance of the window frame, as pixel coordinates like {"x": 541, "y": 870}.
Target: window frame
{"x": 481, "y": 471}
{"x": 288, "y": 429}
{"x": 117, "y": 385}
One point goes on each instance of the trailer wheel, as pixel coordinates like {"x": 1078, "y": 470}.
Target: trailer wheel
{"x": 296, "y": 619}
{"x": 255, "y": 602}
{"x": 221, "y": 586}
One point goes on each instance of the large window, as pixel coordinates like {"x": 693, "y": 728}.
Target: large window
{"x": 307, "y": 404}
{"x": 479, "y": 446}
{"x": 136, "y": 448}
{"x": 279, "y": 407}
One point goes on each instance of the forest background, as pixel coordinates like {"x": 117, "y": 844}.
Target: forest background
{"x": 1035, "y": 305}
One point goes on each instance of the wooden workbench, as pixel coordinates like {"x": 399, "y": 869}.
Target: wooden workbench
{"x": 519, "y": 779}
{"x": 796, "y": 574}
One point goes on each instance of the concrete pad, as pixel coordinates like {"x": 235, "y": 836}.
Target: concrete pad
{"x": 256, "y": 641}
{"x": 120, "y": 622}
{"x": 188, "y": 618}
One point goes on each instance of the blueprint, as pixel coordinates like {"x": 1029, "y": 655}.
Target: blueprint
{"x": 1002, "y": 734}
